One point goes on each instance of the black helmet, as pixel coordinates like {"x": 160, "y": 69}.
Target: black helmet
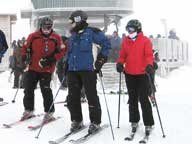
{"x": 46, "y": 22}
{"x": 135, "y": 24}
{"x": 78, "y": 16}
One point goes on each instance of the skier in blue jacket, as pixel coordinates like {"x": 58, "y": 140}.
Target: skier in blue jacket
{"x": 3, "y": 44}
{"x": 3, "y": 47}
{"x": 82, "y": 69}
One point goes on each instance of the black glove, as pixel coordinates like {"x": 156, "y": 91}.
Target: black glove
{"x": 0, "y": 59}
{"x": 119, "y": 67}
{"x": 149, "y": 69}
{"x": 100, "y": 62}
{"x": 47, "y": 61}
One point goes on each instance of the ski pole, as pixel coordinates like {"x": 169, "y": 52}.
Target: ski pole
{"x": 153, "y": 92}
{"x": 51, "y": 106}
{"x": 119, "y": 99}
{"x": 19, "y": 84}
{"x": 101, "y": 75}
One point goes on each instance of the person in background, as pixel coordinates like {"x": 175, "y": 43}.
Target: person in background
{"x": 115, "y": 45}
{"x": 136, "y": 61}
{"x": 158, "y": 36}
{"x": 3, "y": 47}
{"x": 82, "y": 70}
{"x": 14, "y": 44}
{"x": 18, "y": 67}
{"x": 173, "y": 35}
{"x": 41, "y": 51}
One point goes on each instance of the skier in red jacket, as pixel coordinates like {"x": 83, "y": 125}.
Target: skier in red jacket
{"x": 40, "y": 52}
{"x": 136, "y": 60}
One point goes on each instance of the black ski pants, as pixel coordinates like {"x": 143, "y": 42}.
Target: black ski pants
{"x": 31, "y": 80}
{"x": 76, "y": 80}
{"x": 138, "y": 89}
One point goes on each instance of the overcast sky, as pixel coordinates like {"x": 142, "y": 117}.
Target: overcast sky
{"x": 149, "y": 12}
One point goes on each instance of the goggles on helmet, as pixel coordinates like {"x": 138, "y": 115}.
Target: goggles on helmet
{"x": 130, "y": 29}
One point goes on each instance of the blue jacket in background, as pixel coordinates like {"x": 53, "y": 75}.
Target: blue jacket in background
{"x": 3, "y": 44}
{"x": 80, "y": 54}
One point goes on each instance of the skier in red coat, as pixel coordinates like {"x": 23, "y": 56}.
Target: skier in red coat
{"x": 40, "y": 52}
{"x": 136, "y": 61}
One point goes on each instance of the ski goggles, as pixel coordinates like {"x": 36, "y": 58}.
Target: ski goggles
{"x": 76, "y": 19}
{"x": 130, "y": 29}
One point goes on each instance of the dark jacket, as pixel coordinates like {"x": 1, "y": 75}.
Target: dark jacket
{"x": 3, "y": 44}
{"x": 80, "y": 54}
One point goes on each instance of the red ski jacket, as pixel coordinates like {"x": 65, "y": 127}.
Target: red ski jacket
{"x": 42, "y": 47}
{"x": 136, "y": 55}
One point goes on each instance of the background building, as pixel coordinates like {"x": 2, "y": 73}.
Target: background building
{"x": 101, "y": 12}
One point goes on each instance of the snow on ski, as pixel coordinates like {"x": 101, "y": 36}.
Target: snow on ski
{"x": 3, "y": 103}
{"x": 20, "y": 121}
{"x": 35, "y": 127}
{"x": 63, "y": 138}
{"x": 88, "y": 135}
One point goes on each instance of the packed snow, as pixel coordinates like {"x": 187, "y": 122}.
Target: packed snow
{"x": 174, "y": 101}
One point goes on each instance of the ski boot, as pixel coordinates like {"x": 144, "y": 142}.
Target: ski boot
{"x": 75, "y": 125}
{"x": 93, "y": 128}
{"x": 48, "y": 117}
{"x": 27, "y": 115}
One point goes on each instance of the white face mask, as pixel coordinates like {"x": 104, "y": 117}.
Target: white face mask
{"x": 133, "y": 35}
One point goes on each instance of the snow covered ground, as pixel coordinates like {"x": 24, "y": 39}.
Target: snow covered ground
{"x": 174, "y": 95}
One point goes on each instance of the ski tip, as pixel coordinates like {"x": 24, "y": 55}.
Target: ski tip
{"x": 52, "y": 142}
{"x": 6, "y": 126}
{"x": 30, "y": 127}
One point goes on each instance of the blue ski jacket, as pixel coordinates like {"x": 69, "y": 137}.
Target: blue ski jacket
{"x": 80, "y": 54}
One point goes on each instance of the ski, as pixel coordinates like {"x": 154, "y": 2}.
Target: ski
{"x": 3, "y": 103}
{"x": 20, "y": 121}
{"x": 144, "y": 140}
{"x": 130, "y": 137}
{"x": 35, "y": 127}
{"x": 88, "y": 135}
{"x": 63, "y": 138}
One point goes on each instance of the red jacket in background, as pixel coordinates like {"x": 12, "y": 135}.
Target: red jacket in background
{"x": 42, "y": 47}
{"x": 136, "y": 55}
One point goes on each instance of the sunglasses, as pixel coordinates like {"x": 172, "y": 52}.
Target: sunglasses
{"x": 130, "y": 29}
